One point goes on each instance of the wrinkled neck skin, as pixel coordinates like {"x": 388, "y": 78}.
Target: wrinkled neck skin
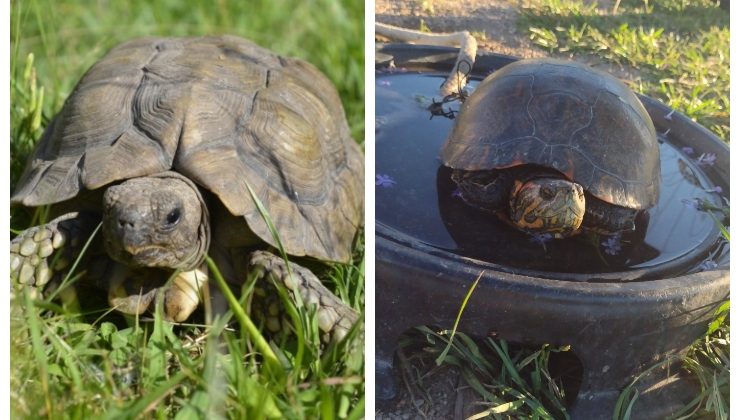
{"x": 547, "y": 205}
{"x": 156, "y": 221}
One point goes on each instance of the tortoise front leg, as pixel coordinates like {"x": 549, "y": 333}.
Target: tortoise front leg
{"x": 60, "y": 241}
{"x": 133, "y": 291}
{"x": 335, "y": 318}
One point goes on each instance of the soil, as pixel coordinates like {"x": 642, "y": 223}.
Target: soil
{"x": 428, "y": 392}
{"x": 493, "y": 23}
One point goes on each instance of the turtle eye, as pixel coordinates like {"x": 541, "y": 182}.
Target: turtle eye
{"x": 547, "y": 193}
{"x": 172, "y": 218}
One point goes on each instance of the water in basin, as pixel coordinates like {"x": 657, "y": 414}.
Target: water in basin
{"x": 416, "y": 197}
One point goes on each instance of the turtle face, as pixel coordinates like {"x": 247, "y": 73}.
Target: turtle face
{"x": 155, "y": 222}
{"x": 547, "y": 205}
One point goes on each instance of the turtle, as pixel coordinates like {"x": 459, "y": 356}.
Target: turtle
{"x": 170, "y": 145}
{"x": 555, "y": 147}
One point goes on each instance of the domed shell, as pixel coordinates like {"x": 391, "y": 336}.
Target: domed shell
{"x": 223, "y": 112}
{"x": 563, "y": 115}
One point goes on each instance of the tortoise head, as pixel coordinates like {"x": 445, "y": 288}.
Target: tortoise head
{"x": 156, "y": 221}
{"x": 547, "y": 205}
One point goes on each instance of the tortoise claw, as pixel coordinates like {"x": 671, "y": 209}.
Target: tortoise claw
{"x": 132, "y": 292}
{"x": 335, "y": 318}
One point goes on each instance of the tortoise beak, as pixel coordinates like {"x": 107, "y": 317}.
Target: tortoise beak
{"x": 125, "y": 234}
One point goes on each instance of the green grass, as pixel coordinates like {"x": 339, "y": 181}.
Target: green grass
{"x": 509, "y": 380}
{"x": 677, "y": 52}
{"x": 514, "y": 381}
{"x": 70, "y": 362}
{"x": 679, "y": 49}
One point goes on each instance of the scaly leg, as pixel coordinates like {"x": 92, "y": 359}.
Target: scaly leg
{"x": 335, "y": 318}
{"x": 40, "y": 252}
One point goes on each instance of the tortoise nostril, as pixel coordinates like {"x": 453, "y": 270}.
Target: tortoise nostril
{"x": 123, "y": 223}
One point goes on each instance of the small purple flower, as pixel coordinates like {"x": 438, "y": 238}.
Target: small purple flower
{"x": 691, "y": 203}
{"x": 688, "y": 150}
{"x": 612, "y": 245}
{"x": 669, "y": 116}
{"x": 540, "y": 238}
{"x": 384, "y": 181}
{"x": 717, "y": 189}
{"x": 457, "y": 193}
{"x": 384, "y": 82}
{"x": 706, "y": 159}
{"x": 707, "y": 265}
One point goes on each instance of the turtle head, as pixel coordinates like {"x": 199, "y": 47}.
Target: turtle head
{"x": 156, "y": 221}
{"x": 547, "y": 205}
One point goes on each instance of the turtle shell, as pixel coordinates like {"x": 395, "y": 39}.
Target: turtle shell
{"x": 561, "y": 115}
{"x": 223, "y": 112}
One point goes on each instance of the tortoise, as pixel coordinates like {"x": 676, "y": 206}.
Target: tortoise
{"x": 555, "y": 147}
{"x": 161, "y": 142}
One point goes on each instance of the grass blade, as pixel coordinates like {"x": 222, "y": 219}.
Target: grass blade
{"x": 34, "y": 326}
{"x": 149, "y": 400}
{"x": 442, "y": 356}
{"x": 244, "y": 320}
{"x": 68, "y": 278}
{"x": 294, "y": 315}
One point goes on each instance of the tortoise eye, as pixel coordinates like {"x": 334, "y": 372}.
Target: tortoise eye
{"x": 547, "y": 193}
{"x": 173, "y": 217}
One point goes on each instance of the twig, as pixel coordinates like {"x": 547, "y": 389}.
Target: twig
{"x": 465, "y": 58}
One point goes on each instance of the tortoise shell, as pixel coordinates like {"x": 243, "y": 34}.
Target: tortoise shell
{"x": 223, "y": 112}
{"x": 562, "y": 115}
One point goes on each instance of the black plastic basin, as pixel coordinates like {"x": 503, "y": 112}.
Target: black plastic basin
{"x": 617, "y": 323}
